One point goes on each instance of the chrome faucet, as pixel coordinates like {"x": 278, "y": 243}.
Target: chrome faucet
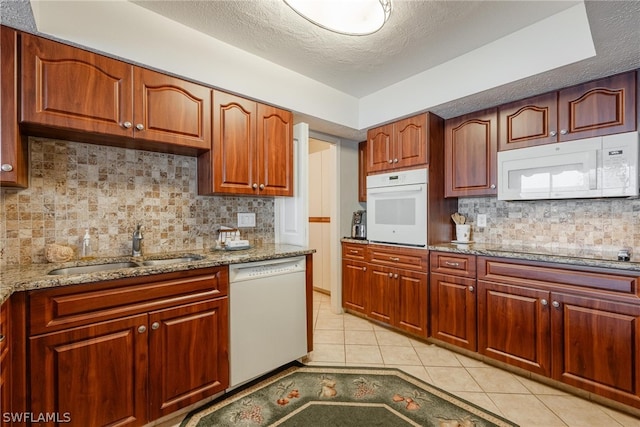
{"x": 137, "y": 241}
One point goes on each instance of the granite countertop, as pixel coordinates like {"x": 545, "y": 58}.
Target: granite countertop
{"x": 581, "y": 257}
{"x": 35, "y": 276}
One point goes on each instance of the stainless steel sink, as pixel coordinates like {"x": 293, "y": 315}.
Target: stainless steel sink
{"x": 95, "y": 268}
{"x": 166, "y": 261}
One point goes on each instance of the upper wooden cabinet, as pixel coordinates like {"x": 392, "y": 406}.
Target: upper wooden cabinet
{"x": 69, "y": 91}
{"x": 398, "y": 145}
{"x": 252, "y": 150}
{"x": 470, "y": 151}
{"x": 597, "y": 108}
{"x": 14, "y": 171}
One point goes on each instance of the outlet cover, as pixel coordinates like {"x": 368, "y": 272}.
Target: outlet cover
{"x": 246, "y": 219}
{"x": 482, "y": 220}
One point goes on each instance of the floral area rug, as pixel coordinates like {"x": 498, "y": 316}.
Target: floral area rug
{"x": 335, "y": 396}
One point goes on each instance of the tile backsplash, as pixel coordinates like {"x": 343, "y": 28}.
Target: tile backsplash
{"x": 600, "y": 226}
{"x": 75, "y": 186}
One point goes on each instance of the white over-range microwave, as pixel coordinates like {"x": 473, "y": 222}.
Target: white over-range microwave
{"x": 589, "y": 168}
{"x": 397, "y": 208}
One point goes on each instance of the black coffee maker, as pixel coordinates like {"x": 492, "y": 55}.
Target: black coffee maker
{"x": 359, "y": 225}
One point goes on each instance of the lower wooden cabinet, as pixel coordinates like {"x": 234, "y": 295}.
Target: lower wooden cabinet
{"x": 453, "y": 310}
{"x": 5, "y": 363}
{"x": 355, "y": 292}
{"x": 135, "y": 349}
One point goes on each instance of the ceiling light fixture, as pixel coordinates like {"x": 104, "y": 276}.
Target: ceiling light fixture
{"x": 350, "y": 17}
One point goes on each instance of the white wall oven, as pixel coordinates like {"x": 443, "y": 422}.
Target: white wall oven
{"x": 397, "y": 208}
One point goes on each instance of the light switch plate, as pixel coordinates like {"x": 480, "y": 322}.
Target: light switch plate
{"x": 482, "y": 220}
{"x": 246, "y": 219}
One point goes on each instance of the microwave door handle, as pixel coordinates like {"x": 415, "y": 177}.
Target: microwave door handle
{"x": 592, "y": 161}
{"x": 405, "y": 189}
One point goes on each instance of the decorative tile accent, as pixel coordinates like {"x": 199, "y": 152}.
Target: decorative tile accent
{"x": 74, "y": 186}
{"x": 595, "y": 226}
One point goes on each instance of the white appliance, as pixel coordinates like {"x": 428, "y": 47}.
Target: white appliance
{"x": 595, "y": 167}
{"x": 397, "y": 208}
{"x": 267, "y": 316}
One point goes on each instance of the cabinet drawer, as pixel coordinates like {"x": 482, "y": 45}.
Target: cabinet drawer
{"x": 453, "y": 264}
{"x": 70, "y": 306}
{"x": 353, "y": 251}
{"x": 411, "y": 259}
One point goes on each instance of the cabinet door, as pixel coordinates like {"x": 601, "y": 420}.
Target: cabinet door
{"x": 234, "y": 145}
{"x": 93, "y": 375}
{"x": 188, "y": 355}
{"x": 382, "y": 293}
{"x": 5, "y": 364}
{"x": 70, "y": 88}
{"x": 275, "y": 151}
{"x": 453, "y": 310}
{"x": 362, "y": 171}
{"x": 595, "y": 346}
{"x": 514, "y": 326}
{"x": 411, "y": 302}
{"x": 600, "y": 107}
{"x": 13, "y": 149}
{"x": 354, "y": 286}
{"x": 410, "y": 142}
{"x": 471, "y": 144}
{"x": 529, "y": 122}
{"x": 379, "y": 150}
{"x": 171, "y": 110}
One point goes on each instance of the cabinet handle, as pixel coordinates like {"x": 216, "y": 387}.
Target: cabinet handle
{"x": 493, "y": 186}
{"x": 7, "y": 167}
{"x": 353, "y": 251}
{"x": 470, "y": 288}
{"x": 544, "y": 302}
{"x": 553, "y": 133}
{"x": 262, "y": 186}
{"x": 452, "y": 264}
{"x": 1, "y": 337}
{"x": 155, "y": 325}
{"x": 127, "y": 125}
{"x": 555, "y": 304}
{"x": 140, "y": 126}
{"x": 142, "y": 329}
{"x": 390, "y": 161}
{"x": 395, "y": 160}
{"x": 392, "y": 258}
{"x": 564, "y": 132}
{"x": 254, "y": 186}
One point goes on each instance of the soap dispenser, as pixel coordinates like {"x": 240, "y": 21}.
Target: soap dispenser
{"x": 86, "y": 244}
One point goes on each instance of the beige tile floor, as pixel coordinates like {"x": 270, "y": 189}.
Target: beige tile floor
{"x": 348, "y": 340}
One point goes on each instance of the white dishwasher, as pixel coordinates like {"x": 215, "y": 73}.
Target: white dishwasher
{"x": 267, "y": 316}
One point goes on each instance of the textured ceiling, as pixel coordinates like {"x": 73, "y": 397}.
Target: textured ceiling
{"x": 419, "y": 35}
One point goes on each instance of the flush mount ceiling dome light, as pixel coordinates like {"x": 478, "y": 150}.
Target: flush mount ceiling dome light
{"x": 350, "y": 17}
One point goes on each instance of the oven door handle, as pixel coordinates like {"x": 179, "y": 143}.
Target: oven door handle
{"x": 397, "y": 190}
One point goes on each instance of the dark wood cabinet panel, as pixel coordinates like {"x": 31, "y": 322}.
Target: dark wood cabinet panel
{"x": 355, "y": 287}
{"x": 252, "y": 149}
{"x": 382, "y": 293}
{"x": 379, "y": 148}
{"x": 411, "y": 303}
{"x": 410, "y": 142}
{"x": 529, "y": 122}
{"x": 362, "y": 171}
{"x": 453, "y": 310}
{"x": 193, "y": 336}
{"x": 171, "y": 110}
{"x": 275, "y": 151}
{"x": 600, "y": 107}
{"x": 5, "y": 362}
{"x": 60, "y": 86}
{"x": 95, "y": 375}
{"x": 595, "y": 346}
{"x": 471, "y": 144}
{"x": 514, "y": 326}
{"x": 14, "y": 171}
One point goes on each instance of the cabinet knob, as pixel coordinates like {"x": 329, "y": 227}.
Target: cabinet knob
{"x": 553, "y": 133}
{"x": 395, "y": 276}
{"x": 390, "y": 161}
{"x": 390, "y": 274}
{"x": 262, "y": 186}
{"x": 493, "y": 186}
{"x": 142, "y": 329}
{"x": 364, "y": 268}
{"x": 127, "y": 125}
{"x": 395, "y": 160}
{"x": 1, "y": 337}
{"x": 555, "y": 304}
{"x": 155, "y": 325}
{"x": 140, "y": 126}
{"x": 564, "y": 132}
{"x": 6, "y": 167}
{"x": 254, "y": 186}
{"x": 544, "y": 302}
{"x": 471, "y": 289}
